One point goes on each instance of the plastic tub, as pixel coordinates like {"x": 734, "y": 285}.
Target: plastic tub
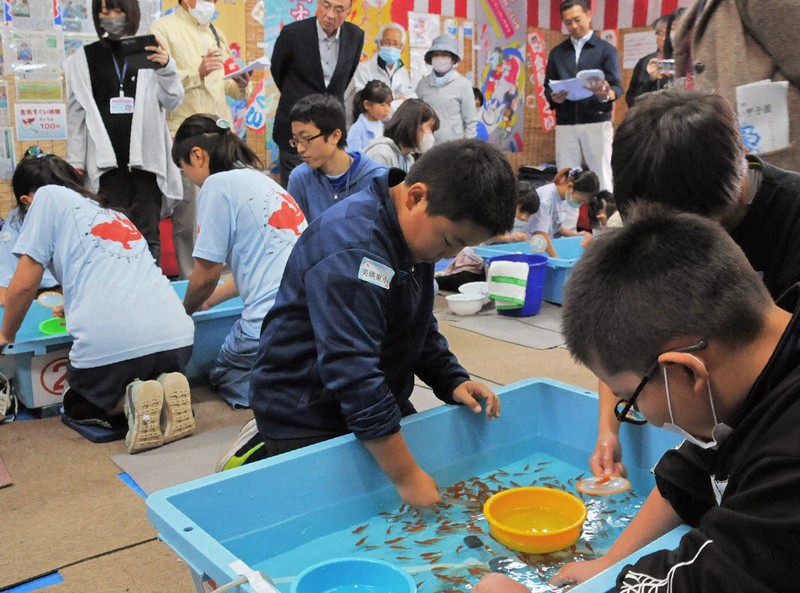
{"x": 354, "y": 575}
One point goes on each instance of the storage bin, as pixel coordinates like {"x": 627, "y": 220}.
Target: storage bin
{"x": 286, "y": 513}
{"x": 558, "y": 269}
{"x": 37, "y": 362}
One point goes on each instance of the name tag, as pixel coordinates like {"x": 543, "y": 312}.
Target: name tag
{"x": 121, "y": 105}
{"x": 375, "y": 273}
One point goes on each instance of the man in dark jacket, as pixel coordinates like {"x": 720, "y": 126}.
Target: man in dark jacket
{"x": 316, "y": 55}
{"x": 583, "y": 126}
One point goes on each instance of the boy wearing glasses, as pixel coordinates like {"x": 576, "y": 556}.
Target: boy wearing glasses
{"x": 319, "y": 54}
{"x": 328, "y": 172}
{"x": 694, "y": 343}
{"x": 353, "y": 320}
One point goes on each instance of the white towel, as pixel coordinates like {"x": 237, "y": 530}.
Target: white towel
{"x": 508, "y": 282}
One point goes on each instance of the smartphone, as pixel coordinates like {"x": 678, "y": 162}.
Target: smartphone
{"x": 135, "y": 52}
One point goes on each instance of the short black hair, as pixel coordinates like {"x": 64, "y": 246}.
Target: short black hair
{"x": 664, "y": 275}
{"x": 681, "y": 148}
{"x": 476, "y": 92}
{"x": 527, "y": 198}
{"x": 403, "y": 127}
{"x": 567, "y": 4}
{"x": 375, "y": 91}
{"x": 326, "y": 112}
{"x": 483, "y": 191}
{"x": 129, "y": 7}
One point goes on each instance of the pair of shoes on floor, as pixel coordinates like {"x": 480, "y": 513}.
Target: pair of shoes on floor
{"x": 158, "y": 411}
{"x": 248, "y": 447}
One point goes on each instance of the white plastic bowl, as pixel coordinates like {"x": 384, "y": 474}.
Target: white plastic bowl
{"x": 465, "y": 304}
{"x": 481, "y": 288}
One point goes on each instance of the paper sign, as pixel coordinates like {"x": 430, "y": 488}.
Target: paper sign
{"x": 40, "y": 121}
{"x": 763, "y": 115}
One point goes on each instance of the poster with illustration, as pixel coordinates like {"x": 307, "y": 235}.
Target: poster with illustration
{"x": 501, "y": 68}
{"x": 37, "y": 122}
{"x": 33, "y": 54}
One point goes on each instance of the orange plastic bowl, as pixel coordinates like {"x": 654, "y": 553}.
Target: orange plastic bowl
{"x": 535, "y": 520}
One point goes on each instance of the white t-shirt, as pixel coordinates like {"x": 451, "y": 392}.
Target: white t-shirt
{"x": 118, "y": 303}
{"x": 246, "y": 219}
{"x": 548, "y": 218}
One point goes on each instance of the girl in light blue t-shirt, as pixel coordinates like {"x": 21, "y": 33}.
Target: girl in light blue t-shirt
{"x": 131, "y": 336}
{"x": 244, "y": 219}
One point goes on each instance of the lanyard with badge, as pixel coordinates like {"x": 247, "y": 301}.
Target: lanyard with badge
{"x": 122, "y": 104}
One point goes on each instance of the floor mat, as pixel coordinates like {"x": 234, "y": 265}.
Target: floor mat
{"x": 178, "y": 462}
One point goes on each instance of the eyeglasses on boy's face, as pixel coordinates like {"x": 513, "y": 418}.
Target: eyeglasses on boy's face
{"x": 625, "y": 410}
{"x": 296, "y": 141}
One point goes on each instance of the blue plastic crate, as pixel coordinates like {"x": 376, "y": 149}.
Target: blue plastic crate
{"x": 558, "y": 269}
{"x": 268, "y": 514}
{"x": 44, "y": 389}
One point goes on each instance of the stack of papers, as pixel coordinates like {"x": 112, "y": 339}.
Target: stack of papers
{"x": 262, "y": 62}
{"x": 576, "y": 87}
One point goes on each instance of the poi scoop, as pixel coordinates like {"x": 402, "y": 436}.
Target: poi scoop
{"x": 603, "y": 485}
{"x": 51, "y": 299}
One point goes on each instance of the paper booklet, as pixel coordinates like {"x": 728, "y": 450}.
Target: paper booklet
{"x": 257, "y": 64}
{"x": 576, "y": 87}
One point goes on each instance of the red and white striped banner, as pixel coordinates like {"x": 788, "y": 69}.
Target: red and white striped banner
{"x": 463, "y": 9}
{"x": 606, "y": 14}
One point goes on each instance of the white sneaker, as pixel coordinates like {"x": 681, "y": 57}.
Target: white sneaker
{"x": 177, "y": 420}
{"x": 143, "y": 402}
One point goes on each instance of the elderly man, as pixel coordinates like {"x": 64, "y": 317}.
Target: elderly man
{"x": 387, "y": 66}
{"x": 316, "y": 55}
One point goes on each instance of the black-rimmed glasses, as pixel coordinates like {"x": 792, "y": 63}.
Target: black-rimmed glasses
{"x": 295, "y": 142}
{"x": 625, "y": 410}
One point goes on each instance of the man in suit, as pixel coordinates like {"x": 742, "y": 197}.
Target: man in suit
{"x": 316, "y": 55}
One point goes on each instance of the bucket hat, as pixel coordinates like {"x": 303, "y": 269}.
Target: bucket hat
{"x": 443, "y": 43}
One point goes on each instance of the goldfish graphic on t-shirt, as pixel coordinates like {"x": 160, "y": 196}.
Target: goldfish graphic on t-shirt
{"x": 120, "y": 230}
{"x": 288, "y": 216}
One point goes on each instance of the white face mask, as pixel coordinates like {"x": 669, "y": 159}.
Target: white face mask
{"x": 203, "y": 11}
{"x": 718, "y": 434}
{"x": 426, "y": 143}
{"x": 441, "y": 64}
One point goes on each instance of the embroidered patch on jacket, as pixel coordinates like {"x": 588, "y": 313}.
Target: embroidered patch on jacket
{"x": 375, "y": 273}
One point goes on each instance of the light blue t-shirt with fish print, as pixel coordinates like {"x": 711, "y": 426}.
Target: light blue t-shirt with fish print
{"x": 118, "y": 303}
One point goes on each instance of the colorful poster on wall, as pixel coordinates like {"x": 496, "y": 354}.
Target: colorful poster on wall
{"x": 537, "y": 54}
{"x": 37, "y": 122}
{"x": 501, "y": 69}
{"x": 4, "y": 118}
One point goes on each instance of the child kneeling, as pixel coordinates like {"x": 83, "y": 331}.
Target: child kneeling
{"x": 131, "y": 336}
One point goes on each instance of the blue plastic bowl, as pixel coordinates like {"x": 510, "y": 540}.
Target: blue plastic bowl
{"x": 354, "y": 575}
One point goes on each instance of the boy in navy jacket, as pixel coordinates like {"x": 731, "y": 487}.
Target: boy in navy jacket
{"x": 353, "y": 321}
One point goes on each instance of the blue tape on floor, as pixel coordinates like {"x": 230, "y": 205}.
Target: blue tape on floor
{"x": 36, "y": 584}
{"x": 133, "y": 485}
